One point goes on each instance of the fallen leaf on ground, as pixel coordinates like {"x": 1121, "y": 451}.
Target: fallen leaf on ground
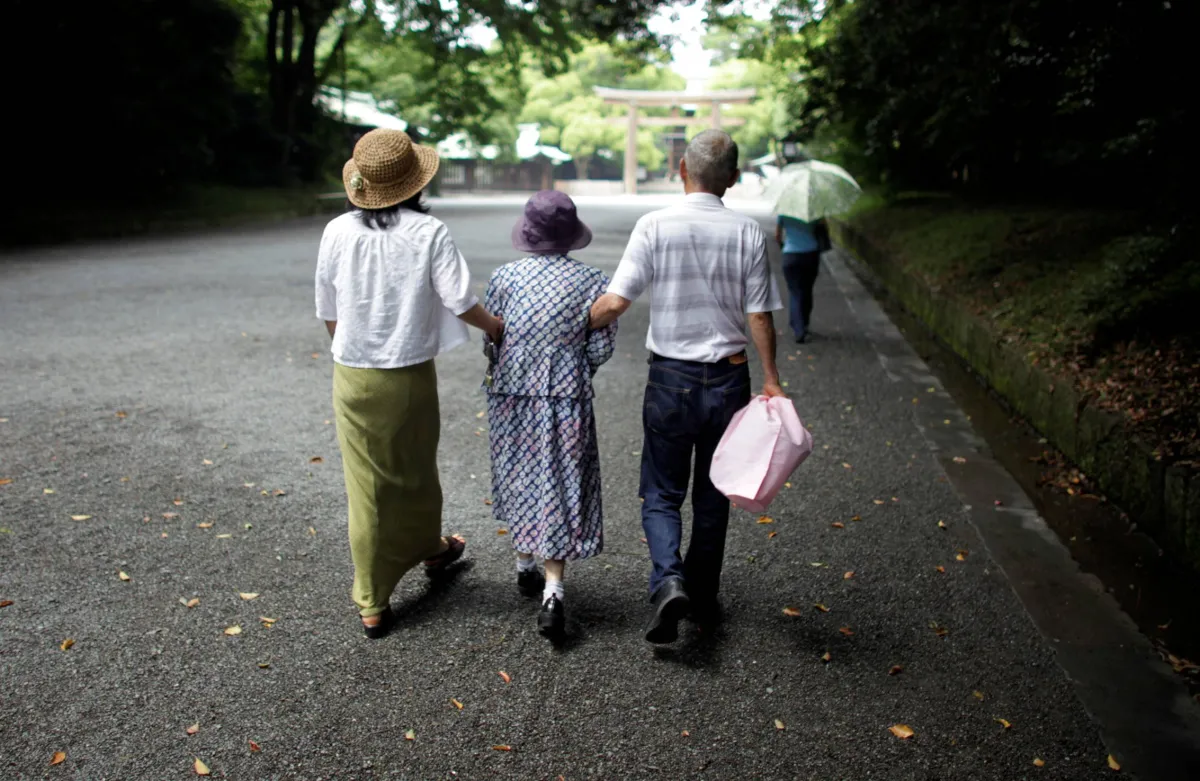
{"x": 47, "y": 491}
{"x": 902, "y": 731}
{"x": 977, "y": 695}
{"x": 1039, "y": 762}
{"x": 856, "y": 518}
{"x": 224, "y": 536}
{"x": 123, "y": 576}
{"x": 189, "y": 603}
{"x": 121, "y": 413}
{"x": 279, "y": 492}
{"x": 838, "y": 525}
{"x": 267, "y": 621}
{"x": 192, "y": 730}
{"x": 771, "y": 535}
{"x": 895, "y": 670}
{"x": 827, "y": 657}
{"x": 264, "y": 665}
{"x": 488, "y": 502}
{"x": 456, "y": 703}
{"x": 177, "y": 502}
{"x": 5, "y": 480}
{"x": 1112, "y": 762}
{"x": 847, "y": 631}
{"x": 480, "y": 414}
{"x": 169, "y": 516}
{"x": 940, "y": 631}
{"x": 247, "y": 485}
{"x": 846, "y": 466}
{"x": 643, "y": 539}
{"x": 501, "y": 532}
{"x": 685, "y": 734}
{"x": 316, "y": 460}
{"x": 1004, "y": 723}
{"x": 848, "y": 575}
{"x": 878, "y": 501}
{"x": 787, "y": 485}
{"x": 818, "y": 564}
{"x": 254, "y": 746}
{"x": 410, "y": 735}
{"x": 998, "y": 503}
{"x": 80, "y": 517}
{"x": 201, "y": 768}
{"x": 791, "y": 611}
{"x": 312, "y": 532}
{"x": 207, "y": 462}
{"x": 962, "y": 555}
{"x": 941, "y": 524}
{"x": 58, "y": 758}
{"x": 501, "y": 747}
{"x": 940, "y": 568}
{"x": 960, "y": 460}
{"x": 779, "y": 725}
{"x": 507, "y": 678}
{"x": 248, "y": 595}
{"x": 819, "y": 606}
{"x": 5, "y": 602}
{"x": 233, "y": 630}
{"x": 765, "y": 519}
{"x": 66, "y": 644}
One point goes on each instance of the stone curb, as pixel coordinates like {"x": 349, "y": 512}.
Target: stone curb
{"x": 1163, "y": 498}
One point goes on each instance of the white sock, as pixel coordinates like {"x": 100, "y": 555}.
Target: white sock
{"x": 554, "y": 588}
{"x": 526, "y": 564}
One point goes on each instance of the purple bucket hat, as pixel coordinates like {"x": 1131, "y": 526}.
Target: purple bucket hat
{"x": 550, "y": 224}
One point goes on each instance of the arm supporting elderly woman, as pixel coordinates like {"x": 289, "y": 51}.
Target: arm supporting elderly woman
{"x": 452, "y": 281}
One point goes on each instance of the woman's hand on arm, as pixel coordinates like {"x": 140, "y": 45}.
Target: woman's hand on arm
{"x": 485, "y": 321}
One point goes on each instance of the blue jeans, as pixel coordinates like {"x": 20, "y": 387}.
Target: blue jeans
{"x": 800, "y": 273}
{"x": 687, "y": 407}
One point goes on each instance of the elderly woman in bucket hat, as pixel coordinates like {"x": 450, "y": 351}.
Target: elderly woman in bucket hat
{"x": 394, "y": 292}
{"x": 545, "y": 461}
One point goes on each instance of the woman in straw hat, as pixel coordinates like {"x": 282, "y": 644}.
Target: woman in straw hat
{"x": 394, "y": 292}
{"x": 545, "y": 462}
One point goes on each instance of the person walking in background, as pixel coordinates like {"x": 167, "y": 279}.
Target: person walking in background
{"x": 394, "y": 292}
{"x": 707, "y": 269}
{"x": 545, "y": 460}
{"x": 802, "y": 244}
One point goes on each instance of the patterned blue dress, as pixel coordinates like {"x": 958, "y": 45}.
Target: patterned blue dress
{"x": 545, "y": 461}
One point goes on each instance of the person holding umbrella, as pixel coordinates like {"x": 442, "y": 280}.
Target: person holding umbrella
{"x": 803, "y": 195}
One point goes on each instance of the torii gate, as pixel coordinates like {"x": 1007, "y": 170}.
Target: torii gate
{"x": 633, "y": 98}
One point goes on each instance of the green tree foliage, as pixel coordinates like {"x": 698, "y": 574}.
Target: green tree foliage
{"x": 1033, "y": 95}
{"x": 574, "y": 118}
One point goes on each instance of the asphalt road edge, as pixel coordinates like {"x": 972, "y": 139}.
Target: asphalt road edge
{"x": 1144, "y": 714}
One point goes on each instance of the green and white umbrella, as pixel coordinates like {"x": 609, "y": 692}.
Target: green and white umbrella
{"x": 812, "y": 190}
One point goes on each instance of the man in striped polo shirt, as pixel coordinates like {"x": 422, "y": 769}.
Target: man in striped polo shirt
{"x": 706, "y": 267}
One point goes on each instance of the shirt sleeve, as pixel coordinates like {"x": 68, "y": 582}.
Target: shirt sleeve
{"x": 326, "y": 292}
{"x": 451, "y": 277}
{"x": 762, "y": 294}
{"x": 636, "y": 269}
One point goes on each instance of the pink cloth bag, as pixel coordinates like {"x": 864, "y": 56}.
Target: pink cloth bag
{"x": 765, "y": 442}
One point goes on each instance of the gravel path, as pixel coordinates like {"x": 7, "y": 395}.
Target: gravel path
{"x": 176, "y": 393}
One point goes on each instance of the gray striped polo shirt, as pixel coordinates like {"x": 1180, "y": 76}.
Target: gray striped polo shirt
{"x": 706, "y": 267}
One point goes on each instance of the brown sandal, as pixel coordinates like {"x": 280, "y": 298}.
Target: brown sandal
{"x": 455, "y": 545}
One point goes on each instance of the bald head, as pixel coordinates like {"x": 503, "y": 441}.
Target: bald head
{"x": 710, "y": 163}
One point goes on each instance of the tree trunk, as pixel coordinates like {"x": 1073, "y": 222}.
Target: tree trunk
{"x": 581, "y": 166}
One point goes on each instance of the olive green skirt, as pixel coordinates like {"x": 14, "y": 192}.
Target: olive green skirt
{"x": 388, "y": 426}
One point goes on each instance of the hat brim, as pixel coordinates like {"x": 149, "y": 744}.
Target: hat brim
{"x": 377, "y": 196}
{"x": 582, "y": 238}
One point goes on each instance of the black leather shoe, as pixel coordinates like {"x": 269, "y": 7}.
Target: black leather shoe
{"x": 552, "y": 618}
{"x": 531, "y": 582}
{"x": 671, "y": 603}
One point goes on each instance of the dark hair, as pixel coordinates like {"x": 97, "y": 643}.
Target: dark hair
{"x": 382, "y": 219}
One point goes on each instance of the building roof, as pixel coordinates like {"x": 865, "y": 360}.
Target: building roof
{"x": 359, "y": 108}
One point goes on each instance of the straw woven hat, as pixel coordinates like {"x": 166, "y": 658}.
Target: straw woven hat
{"x": 387, "y": 168}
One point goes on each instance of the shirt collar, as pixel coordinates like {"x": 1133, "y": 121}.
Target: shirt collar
{"x": 703, "y": 199}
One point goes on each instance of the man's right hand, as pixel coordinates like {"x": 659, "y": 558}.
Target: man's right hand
{"x": 773, "y": 389}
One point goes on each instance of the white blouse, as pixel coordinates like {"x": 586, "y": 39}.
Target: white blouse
{"x": 395, "y": 293}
